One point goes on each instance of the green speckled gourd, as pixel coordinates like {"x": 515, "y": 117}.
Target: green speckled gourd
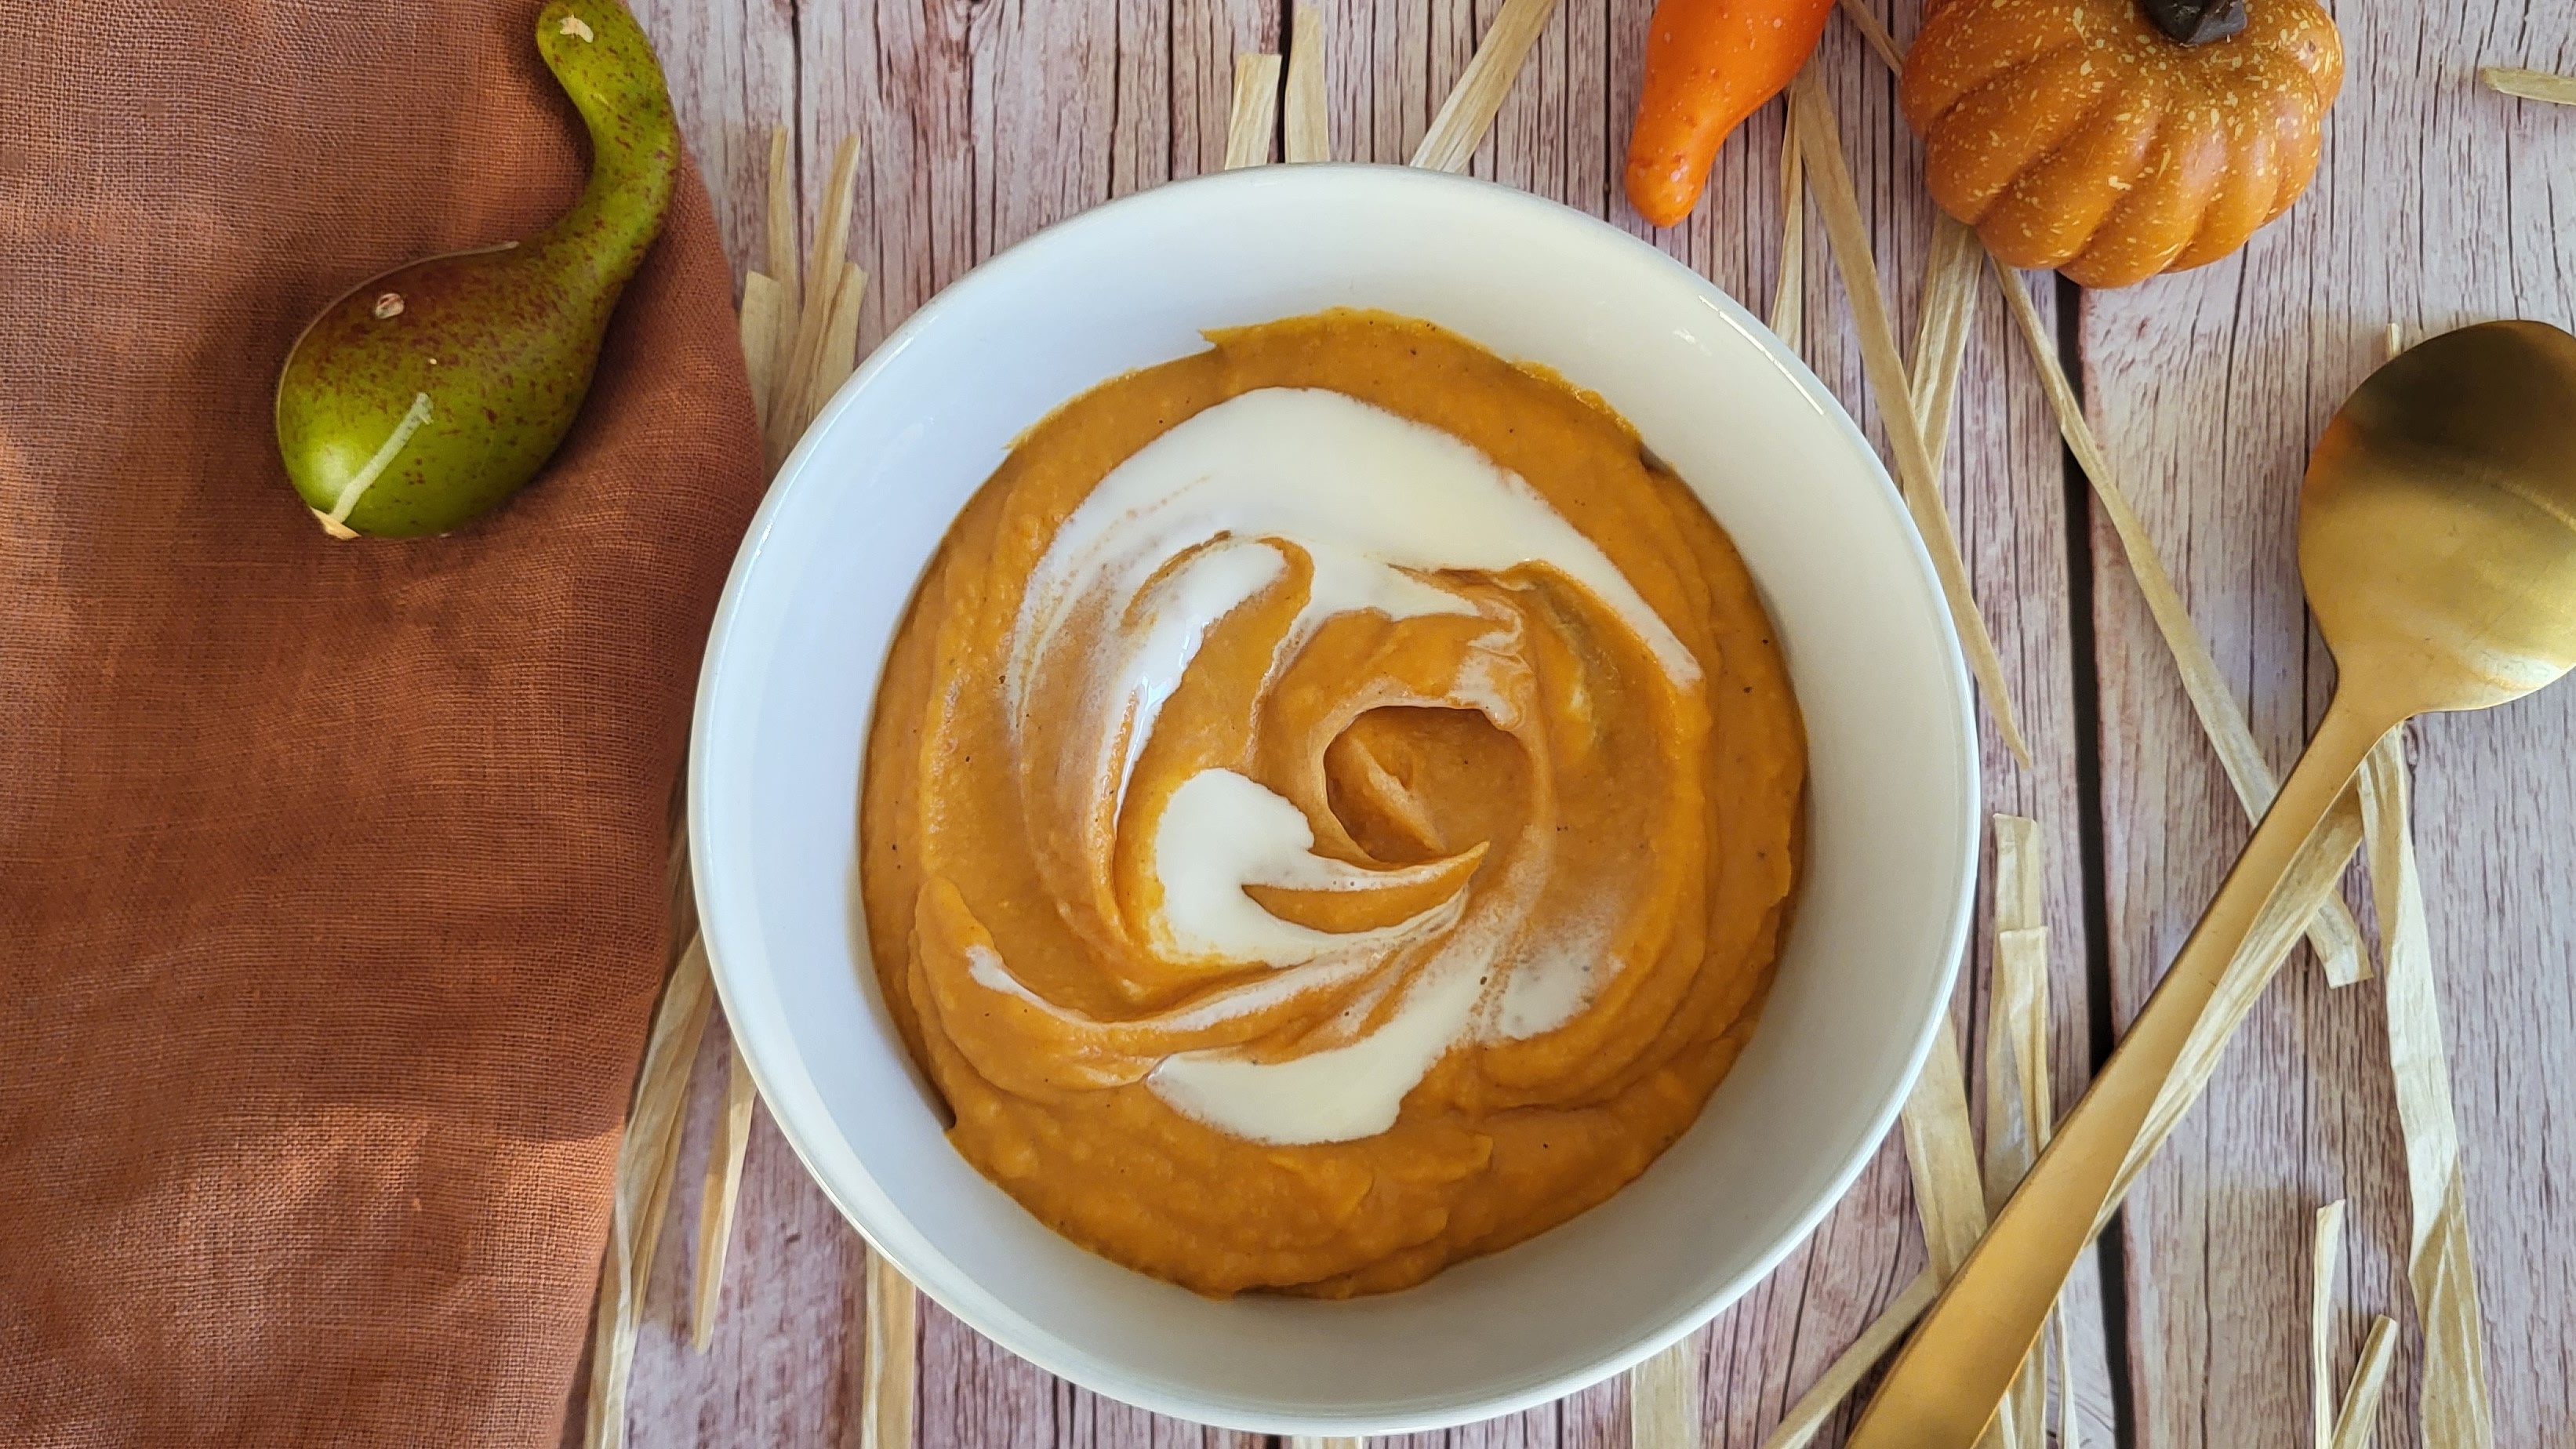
{"x": 427, "y": 396}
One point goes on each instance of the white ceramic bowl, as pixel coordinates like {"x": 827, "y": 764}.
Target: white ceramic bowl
{"x": 791, "y": 674}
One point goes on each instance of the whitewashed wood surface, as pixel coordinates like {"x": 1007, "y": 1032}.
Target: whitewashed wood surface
{"x": 981, "y": 121}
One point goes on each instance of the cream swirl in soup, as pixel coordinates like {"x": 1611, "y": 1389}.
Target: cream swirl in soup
{"x": 1330, "y": 811}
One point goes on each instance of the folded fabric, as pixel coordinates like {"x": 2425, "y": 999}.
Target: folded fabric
{"x": 332, "y": 874}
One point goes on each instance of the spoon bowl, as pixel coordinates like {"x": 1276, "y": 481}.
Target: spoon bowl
{"x": 2437, "y": 527}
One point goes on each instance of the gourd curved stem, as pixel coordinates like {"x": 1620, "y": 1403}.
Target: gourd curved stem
{"x": 606, "y": 66}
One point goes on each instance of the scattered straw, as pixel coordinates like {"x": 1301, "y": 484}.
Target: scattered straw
{"x": 785, "y": 270}
{"x": 2019, "y": 1108}
{"x": 1822, "y": 146}
{"x": 2069, "y": 1435}
{"x": 1941, "y": 1152}
{"x": 1950, "y": 276}
{"x": 1248, "y": 126}
{"x": 893, "y": 1315}
{"x": 782, "y": 214}
{"x": 1469, "y": 112}
{"x": 826, "y": 272}
{"x": 2322, "y": 1265}
{"x": 2530, "y": 85}
{"x": 716, "y": 1203}
{"x": 765, "y": 309}
{"x": 2336, "y": 938}
{"x": 1874, "y": 30}
{"x": 1788, "y": 297}
{"x": 1663, "y": 1399}
{"x": 1308, "y": 135}
{"x": 2439, "y": 1265}
{"x": 839, "y": 356}
{"x": 645, "y": 1162}
{"x": 2360, "y": 1415}
{"x": 2021, "y": 966}
{"x": 1806, "y": 1417}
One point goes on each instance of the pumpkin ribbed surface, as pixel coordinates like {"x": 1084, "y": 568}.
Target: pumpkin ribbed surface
{"x": 2072, "y": 134}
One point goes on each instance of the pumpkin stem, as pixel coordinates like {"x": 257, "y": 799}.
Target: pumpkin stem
{"x": 2196, "y": 22}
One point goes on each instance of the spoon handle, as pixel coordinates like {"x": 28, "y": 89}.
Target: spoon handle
{"x": 1946, "y": 1385}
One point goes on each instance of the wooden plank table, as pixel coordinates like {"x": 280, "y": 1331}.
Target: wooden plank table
{"x": 981, "y": 121}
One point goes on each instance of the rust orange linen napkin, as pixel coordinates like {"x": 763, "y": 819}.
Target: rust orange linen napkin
{"x": 331, "y": 874}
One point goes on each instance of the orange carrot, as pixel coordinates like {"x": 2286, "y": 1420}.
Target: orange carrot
{"x": 1709, "y": 64}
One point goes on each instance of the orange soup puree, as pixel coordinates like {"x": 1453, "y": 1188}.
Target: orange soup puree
{"x": 1331, "y": 810}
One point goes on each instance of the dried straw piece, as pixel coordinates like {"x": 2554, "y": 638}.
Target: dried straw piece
{"x": 1806, "y": 1417}
{"x": 645, "y": 1162}
{"x": 2019, "y": 1108}
{"x": 784, "y": 267}
{"x": 2322, "y": 1262}
{"x": 2439, "y": 1265}
{"x": 2068, "y": 1434}
{"x": 2009, "y": 1149}
{"x": 716, "y": 1202}
{"x": 840, "y": 353}
{"x": 764, "y": 321}
{"x": 1469, "y": 112}
{"x": 1822, "y": 146}
{"x": 2530, "y": 85}
{"x": 1255, "y": 114}
{"x": 1308, "y": 136}
{"x": 782, "y": 215}
{"x": 2360, "y": 1415}
{"x": 1788, "y": 298}
{"x": 886, "y": 1398}
{"x": 2334, "y": 935}
{"x": 1313, "y": 1441}
{"x": 1941, "y": 1152}
{"x": 1663, "y": 1399}
{"x": 1950, "y": 275}
{"x": 1874, "y": 30}
{"x": 2021, "y": 963}
{"x": 814, "y": 318}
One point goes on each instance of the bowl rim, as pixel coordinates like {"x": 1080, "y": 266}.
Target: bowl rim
{"x": 796, "y": 1105}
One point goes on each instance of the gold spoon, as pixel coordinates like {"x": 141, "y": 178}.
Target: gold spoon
{"x": 2437, "y": 539}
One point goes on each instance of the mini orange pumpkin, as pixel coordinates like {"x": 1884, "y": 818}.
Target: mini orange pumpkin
{"x": 2074, "y": 134}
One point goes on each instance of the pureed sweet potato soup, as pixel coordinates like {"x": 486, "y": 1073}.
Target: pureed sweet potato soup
{"x": 1330, "y": 811}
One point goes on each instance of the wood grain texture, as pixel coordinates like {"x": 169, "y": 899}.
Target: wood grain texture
{"x": 980, "y": 121}
{"x": 2437, "y": 203}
